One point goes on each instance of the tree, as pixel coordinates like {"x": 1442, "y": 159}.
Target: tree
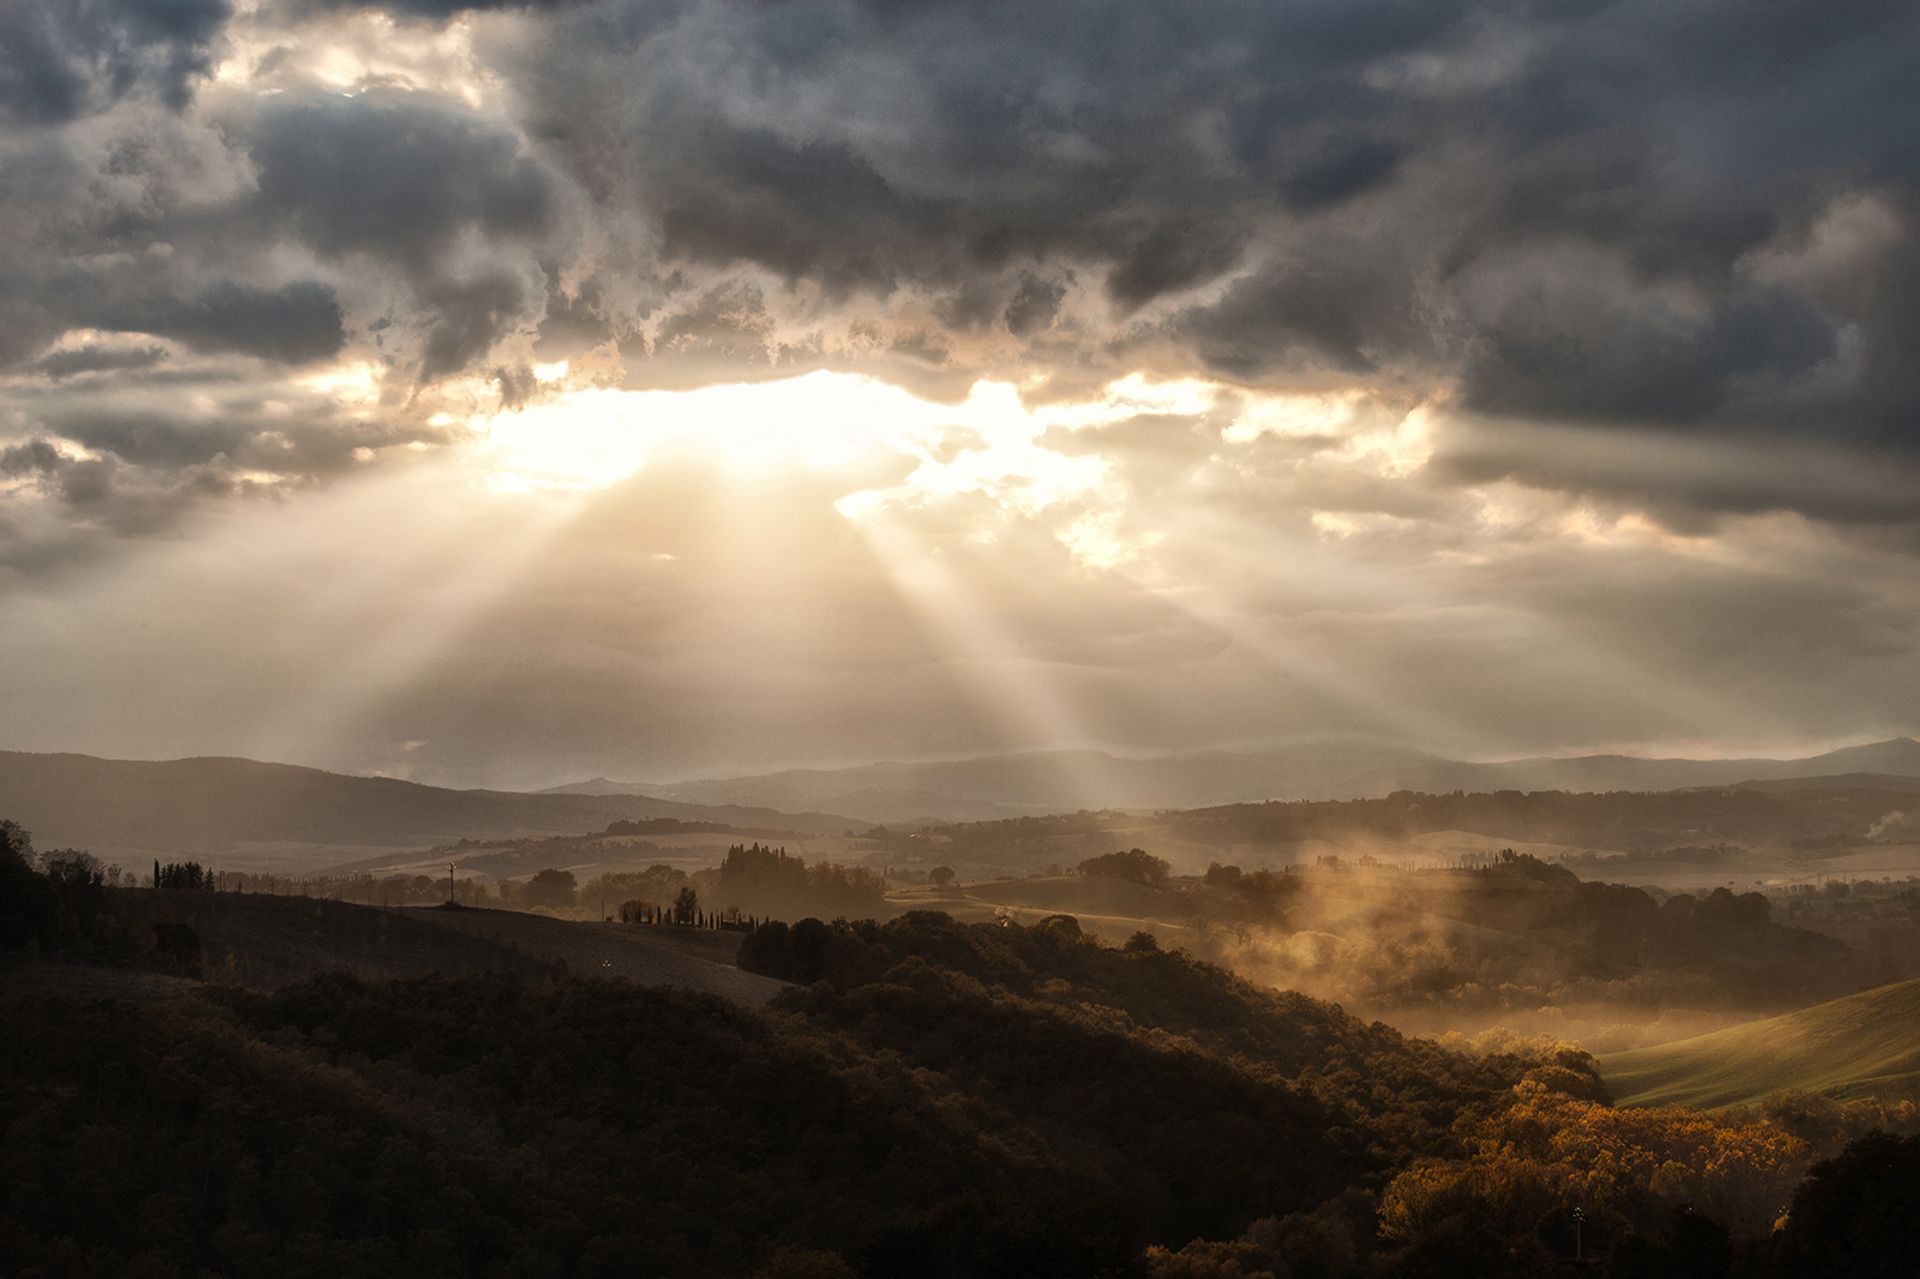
{"x": 29, "y": 907}
{"x": 553, "y": 888}
{"x": 1135, "y": 865}
{"x": 190, "y": 876}
{"x": 73, "y": 870}
{"x": 686, "y": 905}
{"x": 941, "y": 876}
{"x": 1854, "y": 1214}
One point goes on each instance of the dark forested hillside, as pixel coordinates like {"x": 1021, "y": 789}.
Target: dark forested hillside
{"x": 936, "y": 1099}
{"x": 571, "y": 1127}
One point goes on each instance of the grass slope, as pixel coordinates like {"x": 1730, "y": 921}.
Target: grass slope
{"x": 1863, "y": 1045}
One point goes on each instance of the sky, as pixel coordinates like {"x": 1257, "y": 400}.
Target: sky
{"x": 503, "y": 394}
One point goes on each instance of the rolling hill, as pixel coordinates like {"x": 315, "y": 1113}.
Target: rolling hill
{"x": 242, "y": 814}
{"x": 1898, "y": 757}
{"x": 1863, "y": 1045}
{"x": 1001, "y": 786}
{"x": 1036, "y": 782}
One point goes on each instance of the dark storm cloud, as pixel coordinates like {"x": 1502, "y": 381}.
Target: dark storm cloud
{"x": 392, "y": 175}
{"x": 1330, "y": 307}
{"x": 816, "y": 211}
{"x": 412, "y": 183}
{"x": 897, "y": 146}
{"x": 1034, "y": 304}
{"x": 61, "y": 58}
{"x": 1344, "y": 168}
{"x": 183, "y": 227}
{"x": 1696, "y": 223}
{"x": 1574, "y": 346}
{"x": 292, "y": 324}
{"x": 1559, "y": 211}
{"x": 1176, "y": 253}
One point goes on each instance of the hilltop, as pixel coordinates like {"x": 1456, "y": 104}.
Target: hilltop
{"x": 1860, "y": 1046}
{"x": 242, "y": 814}
{"x": 1037, "y": 782}
{"x": 266, "y": 943}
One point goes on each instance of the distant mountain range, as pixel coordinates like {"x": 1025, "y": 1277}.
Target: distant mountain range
{"x": 243, "y": 814}
{"x": 1000, "y": 786}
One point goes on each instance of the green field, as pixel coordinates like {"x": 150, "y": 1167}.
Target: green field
{"x": 1863, "y": 1045}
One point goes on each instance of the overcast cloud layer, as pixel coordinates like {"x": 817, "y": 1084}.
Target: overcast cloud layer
{"x": 1488, "y": 377}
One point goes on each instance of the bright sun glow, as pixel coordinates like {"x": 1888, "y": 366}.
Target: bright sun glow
{"x": 990, "y": 443}
{"x": 596, "y": 436}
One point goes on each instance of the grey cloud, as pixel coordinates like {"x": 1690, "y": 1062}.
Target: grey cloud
{"x": 1343, "y": 168}
{"x": 1583, "y": 344}
{"x": 451, "y": 199}
{"x": 1592, "y": 225}
{"x": 122, "y": 500}
{"x": 1340, "y": 304}
{"x": 1690, "y": 481}
{"x": 94, "y": 358}
{"x": 1033, "y": 305}
{"x": 293, "y": 324}
{"x": 429, "y": 10}
{"x": 929, "y": 348}
{"x": 1391, "y": 193}
{"x": 396, "y": 176}
{"x": 1175, "y": 254}
{"x": 469, "y": 316}
{"x": 932, "y": 142}
{"x": 304, "y": 440}
{"x": 35, "y": 456}
{"x": 61, "y": 58}
{"x": 728, "y": 325}
{"x": 87, "y": 483}
{"x": 816, "y": 210}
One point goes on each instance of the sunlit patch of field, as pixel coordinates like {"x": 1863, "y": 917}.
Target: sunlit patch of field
{"x": 1448, "y": 844}
{"x": 1863, "y": 1045}
{"x": 594, "y": 855}
{"x": 1868, "y": 861}
{"x": 1110, "y": 908}
{"x": 1597, "y": 1027}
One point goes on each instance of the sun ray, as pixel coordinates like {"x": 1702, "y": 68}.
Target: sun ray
{"x": 1010, "y": 684}
{"x": 467, "y": 560}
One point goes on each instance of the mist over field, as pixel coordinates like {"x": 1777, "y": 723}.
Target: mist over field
{"x": 833, "y": 639}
